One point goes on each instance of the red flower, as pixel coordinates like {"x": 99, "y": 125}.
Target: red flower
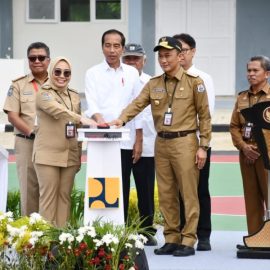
{"x": 101, "y": 252}
{"x": 121, "y": 266}
{"x": 77, "y": 252}
{"x": 88, "y": 252}
{"x": 82, "y": 246}
{"x": 107, "y": 267}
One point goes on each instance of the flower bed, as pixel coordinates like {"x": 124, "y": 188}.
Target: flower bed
{"x": 32, "y": 243}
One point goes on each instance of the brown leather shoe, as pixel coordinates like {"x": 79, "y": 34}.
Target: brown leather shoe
{"x": 184, "y": 251}
{"x": 167, "y": 249}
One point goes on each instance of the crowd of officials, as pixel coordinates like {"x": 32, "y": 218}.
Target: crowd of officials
{"x": 169, "y": 117}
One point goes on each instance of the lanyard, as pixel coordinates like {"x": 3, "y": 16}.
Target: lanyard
{"x": 64, "y": 101}
{"x": 35, "y": 85}
{"x": 170, "y": 101}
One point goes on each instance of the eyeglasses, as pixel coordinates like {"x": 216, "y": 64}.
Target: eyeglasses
{"x": 58, "y": 72}
{"x": 185, "y": 50}
{"x": 40, "y": 58}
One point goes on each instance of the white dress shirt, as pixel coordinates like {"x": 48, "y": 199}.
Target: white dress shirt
{"x": 149, "y": 131}
{"x": 209, "y": 85}
{"x": 108, "y": 91}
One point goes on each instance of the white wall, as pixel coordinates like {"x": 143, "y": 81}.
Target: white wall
{"x": 78, "y": 41}
{"x": 10, "y": 70}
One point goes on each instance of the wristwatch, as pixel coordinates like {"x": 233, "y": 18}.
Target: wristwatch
{"x": 204, "y": 147}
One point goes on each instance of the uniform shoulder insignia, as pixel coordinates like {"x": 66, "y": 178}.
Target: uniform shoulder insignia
{"x": 192, "y": 74}
{"x": 241, "y": 92}
{"x": 22, "y": 77}
{"x": 46, "y": 87}
{"x": 155, "y": 77}
{"x": 73, "y": 90}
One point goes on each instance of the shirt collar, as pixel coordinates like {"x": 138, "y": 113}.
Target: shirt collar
{"x": 107, "y": 67}
{"x": 265, "y": 89}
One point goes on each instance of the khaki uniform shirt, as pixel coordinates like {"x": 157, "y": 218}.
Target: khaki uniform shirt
{"x": 21, "y": 98}
{"x": 244, "y": 100}
{"x": 54, "y": 110}
{"x": 189, "y": 104}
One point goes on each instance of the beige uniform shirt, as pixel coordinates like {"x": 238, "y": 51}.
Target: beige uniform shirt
{"x": 21, "y": 98}
{"x": 189, "y": 104}
{"x": 54, "y": 110}
{"x": 244, "y": 100}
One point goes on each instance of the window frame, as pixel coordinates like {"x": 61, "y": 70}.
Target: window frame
{"x": 93, "y": 13}
{"x": 56, "y": 18}
{"x": 93, "y": 19}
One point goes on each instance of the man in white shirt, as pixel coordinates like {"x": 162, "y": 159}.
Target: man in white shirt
{"x": 109, "y": 87}
{"x": 143, "y": 170}
{"x": 204, "y": 225}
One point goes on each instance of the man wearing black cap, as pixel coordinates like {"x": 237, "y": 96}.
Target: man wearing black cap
{"x": 144, "y": 169}
{"x": 179, "y": 106}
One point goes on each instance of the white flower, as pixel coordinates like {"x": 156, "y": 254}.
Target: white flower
{"x": 87, "y": 230}
{"x": 128, "y": 245}
{"x": 98, "y": 242}
{"x": 139, "y": 244}
{"x": 63, "y": 237}
{"x": 79, "y": 238}
{"x": 35, "y": 217}
{"x": 131, "y": 268}
{"x": 109, "y": 238}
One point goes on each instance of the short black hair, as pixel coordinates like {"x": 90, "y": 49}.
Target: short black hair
{"x": 38, "y": 45}
{"x": 114, "y": 31}
{"x": 188, "y": 39}
{"x": 264, "y": 60}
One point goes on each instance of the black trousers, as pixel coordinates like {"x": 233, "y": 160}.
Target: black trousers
{"x": 204, "y": 225}
{"x": 144, "y": 177}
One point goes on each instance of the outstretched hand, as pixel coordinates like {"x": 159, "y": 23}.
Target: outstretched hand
{"x": 117, "y": 123}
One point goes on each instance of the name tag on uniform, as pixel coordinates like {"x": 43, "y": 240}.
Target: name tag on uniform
{"x": 167, "y": 119}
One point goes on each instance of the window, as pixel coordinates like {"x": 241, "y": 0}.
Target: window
{"x": 75, "y": 10}
{"x": 41, "y": 10}
{"x": 108, "y": 9}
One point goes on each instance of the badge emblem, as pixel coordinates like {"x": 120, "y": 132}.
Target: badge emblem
{"x": 156, "y": 102}
{"x": 266, "y": 114}
{"x": 10, "y": 91}
{"x": 200, "y": 88}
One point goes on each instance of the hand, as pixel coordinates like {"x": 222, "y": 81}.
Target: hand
{"x": 137, "y": 151}
{"x": 117, "y": 123}
{"x": 201, "y": 156}
{"x": 88, "y": 121}
{"x": 250, "y": 152}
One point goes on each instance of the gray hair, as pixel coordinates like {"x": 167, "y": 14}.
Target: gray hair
{"x": 264, "y": 60}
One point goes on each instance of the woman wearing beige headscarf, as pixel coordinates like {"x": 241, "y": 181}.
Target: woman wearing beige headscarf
{"x": 57, "y": 153}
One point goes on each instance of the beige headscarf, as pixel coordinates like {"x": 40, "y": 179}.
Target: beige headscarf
{"x": 52, "y": 66}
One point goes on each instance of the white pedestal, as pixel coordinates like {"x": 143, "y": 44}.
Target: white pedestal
{"x": 103, "y": 186}
{"x": 3, "y": 178}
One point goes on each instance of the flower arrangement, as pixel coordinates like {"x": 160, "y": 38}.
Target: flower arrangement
{"x": 32, "y": 243}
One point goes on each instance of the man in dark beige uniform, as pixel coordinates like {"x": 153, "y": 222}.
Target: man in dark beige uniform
{"x": 179, "y": 106}
{"x": 20, "y": 107}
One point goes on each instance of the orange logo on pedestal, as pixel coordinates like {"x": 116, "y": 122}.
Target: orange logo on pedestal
{"x": 103, "y": 192}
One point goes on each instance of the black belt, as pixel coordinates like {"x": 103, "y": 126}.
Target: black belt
{"x": 176, "y": 134}
{"x": 31, "y": 137}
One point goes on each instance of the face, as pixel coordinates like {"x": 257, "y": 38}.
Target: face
{"x": 112, "y": 49}
{"x": 38, "y": 66}
{"x": 169, "y": 60}
{"x": 256, "y": 75}
{"x": 135, "y": 61}
{"x": 188, "y": 54}
{"x": 61, "y": 74}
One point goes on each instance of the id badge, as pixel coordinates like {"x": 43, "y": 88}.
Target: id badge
{"x": 167, "y": 119}
{"x": 70, "y": 130}
{"x": 247, "y": 134}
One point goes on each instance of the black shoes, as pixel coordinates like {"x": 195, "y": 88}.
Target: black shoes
{"x": 167, "y": 249}
{"x": 204, "y": 245}
{"x": 240, "y": 247}
{"x": 151, "y": 241}
{"x": 184, "y": 251}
